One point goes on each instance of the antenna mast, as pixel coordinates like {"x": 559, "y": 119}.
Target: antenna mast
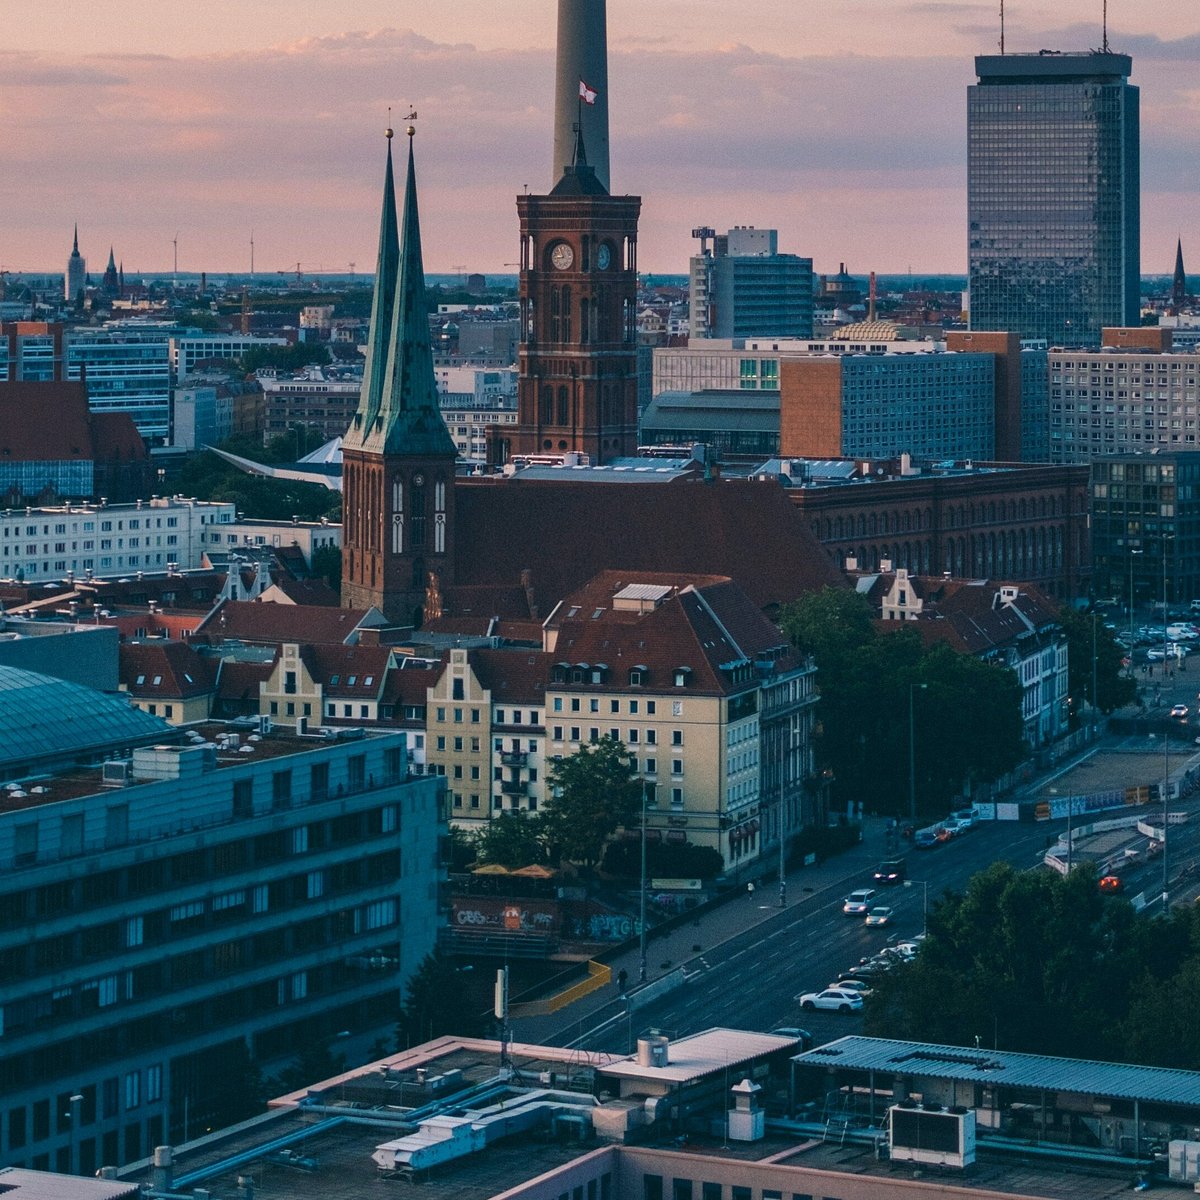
{"x": 1104, "y": 42}
{"x": 1001, "y": 26}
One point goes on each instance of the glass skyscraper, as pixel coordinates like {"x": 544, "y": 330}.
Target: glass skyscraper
{"x": 1052, "y": 195}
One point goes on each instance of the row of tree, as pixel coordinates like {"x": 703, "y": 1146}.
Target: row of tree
{"x": 966, "y": 719}
{"x": 1032, "y": 961}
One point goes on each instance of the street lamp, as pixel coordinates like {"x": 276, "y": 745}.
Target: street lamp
{"x": 1131, "y": 554}
{"x": 642, "y": 897}
{"x": 912, "y": 756}
{"x": 924, "y": 901}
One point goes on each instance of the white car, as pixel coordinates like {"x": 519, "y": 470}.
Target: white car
{"x": 858, "y": 902}
{"x": 836, "y": 999}
{"x": 879, "y": 916}
{"x": 852, "y": 985}
{"x": 966, "y": 818}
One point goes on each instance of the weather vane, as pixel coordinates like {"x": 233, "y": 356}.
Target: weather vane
{"x": 412, "y": 116}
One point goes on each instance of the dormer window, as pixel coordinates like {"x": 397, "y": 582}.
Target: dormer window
{"x": 639, "y": 675}
{"x": 599, "y": 672}
{"x": 562, "y": 672}
{"x": 682, "y": 676}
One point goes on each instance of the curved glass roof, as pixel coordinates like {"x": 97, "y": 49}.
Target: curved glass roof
{"x": 47, "y": 719}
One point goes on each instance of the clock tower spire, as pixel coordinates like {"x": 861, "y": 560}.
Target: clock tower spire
{"x": 577, "y": 383}
{"x": 398, "y": 457}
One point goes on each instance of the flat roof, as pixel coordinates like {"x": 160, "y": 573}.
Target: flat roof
{"x": 19, "y": 1184}
{"x": 1007, "y": 1068}
{"x": 692, "y": 1058}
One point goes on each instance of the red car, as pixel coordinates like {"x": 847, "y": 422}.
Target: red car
{"x": 1111, "y": 883}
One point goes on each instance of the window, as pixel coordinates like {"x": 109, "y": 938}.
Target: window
{"x": 281, "y": 789}
{"x": 315, "y": 884}
{"x": 132, "y": 1090}
{"x": 676, "y": 737}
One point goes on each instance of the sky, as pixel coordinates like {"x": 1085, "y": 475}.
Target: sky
{"x": 841, "y": 123}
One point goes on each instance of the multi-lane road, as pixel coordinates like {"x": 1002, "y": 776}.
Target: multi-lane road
{"x": 751, "y": 980}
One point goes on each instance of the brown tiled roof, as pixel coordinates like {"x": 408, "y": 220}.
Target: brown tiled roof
{"x": 115, "y": 436}
{"x": 308, "y": 591}
{"x": 249, "y": 621}
{"x": 566, "y": 534}
{"x": 167, "y": 670}
{"x": 343, "y": 663}
{"x": 409, "y": 685}
{"x": 42, "y": 422}
{"x": 968, "y": 615}
{"x": 513, "y": 676}
{"x": 238, "y": 681}
{"x": 705, "y": 625}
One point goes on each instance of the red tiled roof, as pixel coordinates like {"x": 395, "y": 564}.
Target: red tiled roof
{"x": 409, "y": 685}
{"x": 238, "y": 681}
{"x": 170, "y": 670}
{"x": 41, "y": 422}
{"x": 343, "y": 663}
{"x": 115, "y": 436}
{"x": 566, "y": 534}
{"x": 249, "y": 621}
{"x": 513, "y": 676}
{"x": 308, "y": 591}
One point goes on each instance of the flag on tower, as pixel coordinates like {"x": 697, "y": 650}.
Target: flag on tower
{"x": 586, "y": 94}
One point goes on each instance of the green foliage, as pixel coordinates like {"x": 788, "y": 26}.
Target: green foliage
{"x": 284, "y": 358}
{"x": 967, "y": 713}
{"x": 438, "y": 1000}
{"x": 200, "y": 318}
{"x": 315, "y": 1062}
{"x": 462, "y": 849}
{"x": 592, "y": 794}
{"x": 513, "y": 839}
{"x": 327, "y": 565}
{"x": 664, "y": 860}
{"x": 824, "y": 841}
{"x": 1113, "y": 689}
{"x": 1031, "y": 961}
{"x": 208, "y": 477}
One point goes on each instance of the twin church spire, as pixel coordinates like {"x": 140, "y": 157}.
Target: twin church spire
{"x": 398, "y": 410}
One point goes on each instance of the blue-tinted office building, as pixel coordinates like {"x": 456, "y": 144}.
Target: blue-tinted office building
{"x": 1052, "y": 195}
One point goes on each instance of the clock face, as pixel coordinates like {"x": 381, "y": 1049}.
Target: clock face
{"x": 562, "y": 256}
{"x": 603, "y": 256}
{"x": 418, "y": 480}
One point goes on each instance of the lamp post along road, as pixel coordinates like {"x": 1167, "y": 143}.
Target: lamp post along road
{"x": 924, "y": 901}
{"x": 642, "y": 897}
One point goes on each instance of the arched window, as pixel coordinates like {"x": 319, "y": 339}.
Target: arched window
{"x": 555, "y": 324}
{"x": 546, "y": 415}
{"x": 584, "y": 316}
{"x": 416, "y": 494}
{"x": 564, "y": 416}
{"x": 566, "y": 313}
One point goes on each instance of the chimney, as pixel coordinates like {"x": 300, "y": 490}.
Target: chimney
{"x": 162, "y": 1173}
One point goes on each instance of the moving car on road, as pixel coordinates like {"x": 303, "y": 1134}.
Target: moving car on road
{"x": 891, "y": 871}
{"x": 858, "y": 902}
{"x": 879, "y": 916}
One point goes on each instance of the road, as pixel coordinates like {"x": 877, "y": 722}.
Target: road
{"x": 751, "y": 980}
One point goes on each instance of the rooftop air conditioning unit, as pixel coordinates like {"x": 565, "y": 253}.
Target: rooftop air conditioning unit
{"x": 116, "y": 773}
{"x": 264, "y": 725}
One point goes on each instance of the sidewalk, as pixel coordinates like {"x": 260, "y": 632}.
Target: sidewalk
{"x": 694, "y": 938}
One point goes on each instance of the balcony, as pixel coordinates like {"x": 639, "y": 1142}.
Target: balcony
{"x": 514, "y": 787}
{"x": 514, "y": 758}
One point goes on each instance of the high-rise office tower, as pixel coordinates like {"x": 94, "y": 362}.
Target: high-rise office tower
{"x": 743, "y": 287}
{"x": 1052, "y": 195}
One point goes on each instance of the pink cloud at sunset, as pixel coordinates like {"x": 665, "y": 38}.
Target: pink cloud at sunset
{"x": 844, "y": 129}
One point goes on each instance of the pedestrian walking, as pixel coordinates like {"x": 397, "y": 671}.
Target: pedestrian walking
{"x": 750, "y": 889}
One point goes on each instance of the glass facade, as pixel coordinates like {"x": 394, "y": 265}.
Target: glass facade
{"x": 1052, "y": 196}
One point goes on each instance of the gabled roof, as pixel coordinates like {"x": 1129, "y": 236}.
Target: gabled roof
{"x": 513, "y": 676}
{"x": 165, "y": 670}
{"x": 745, "y": 529}
{"x": 237, "y": 681}
{"x": 250, "y": 621}
{"x": 705, "y": 627}
{"x": 334, "y": 667}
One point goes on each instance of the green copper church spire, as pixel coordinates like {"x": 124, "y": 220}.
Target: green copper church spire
{"x": 386, "y": 269}
{"x": 409, "y": 420}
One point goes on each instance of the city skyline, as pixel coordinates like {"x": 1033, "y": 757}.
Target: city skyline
{"x": 208, "y": 126}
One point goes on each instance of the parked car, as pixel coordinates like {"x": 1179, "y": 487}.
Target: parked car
{"x": 879, "y": 916}
{"x": 794, "y": 1031}
{"x": 861, "y": 986}
{"x": 953, "y": 826}
{"x": 927, "y": 839}
{"x": 966, "y": 817}
{"x": 891, "y": 871}
{"x": 858, "y": 902}
{"x": 834, "y": 999}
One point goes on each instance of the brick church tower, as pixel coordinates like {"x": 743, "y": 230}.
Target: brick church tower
{"x": 577, "y": 387}
{"x": 398, "y": 457}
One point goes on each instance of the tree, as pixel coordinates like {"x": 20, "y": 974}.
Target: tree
{"x": 513, "y": 839}
{"x": 1113, "y": 689}
{"x": 439, "y": 999}
{"x": 592, "y": 794}
{"x": 967, "y": 725}
{"x": 327, "y": 565}
{"x": 1027, "y": 960}
{"x": 284, "y": 358}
